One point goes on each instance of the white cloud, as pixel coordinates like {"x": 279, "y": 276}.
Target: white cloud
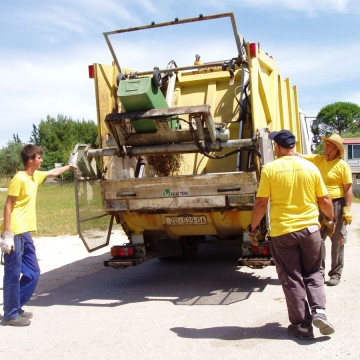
{"x": 314, "y": 65}
{"x": 311, "y": 7}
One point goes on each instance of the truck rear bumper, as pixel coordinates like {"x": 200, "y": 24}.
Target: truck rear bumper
{"x": 123, "y": 263}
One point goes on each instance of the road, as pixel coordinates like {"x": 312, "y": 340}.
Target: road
{"x": 201, "y": 309}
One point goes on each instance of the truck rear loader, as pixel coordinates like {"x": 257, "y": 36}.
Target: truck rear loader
{"x": 181, "y": 148}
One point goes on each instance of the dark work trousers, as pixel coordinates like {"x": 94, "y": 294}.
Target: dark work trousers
{"x": 297, "y": 257}
{"x": 338, "y": 240}
{"x": 21, "y": 275}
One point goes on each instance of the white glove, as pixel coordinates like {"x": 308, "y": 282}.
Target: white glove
{"x": 73, "y": 160}
{"x": 7, "y": 242}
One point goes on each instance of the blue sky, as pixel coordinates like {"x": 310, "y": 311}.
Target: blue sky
{"x": 46, "y": 47}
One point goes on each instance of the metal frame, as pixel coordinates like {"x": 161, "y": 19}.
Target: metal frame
{"x": 238, "y": 38}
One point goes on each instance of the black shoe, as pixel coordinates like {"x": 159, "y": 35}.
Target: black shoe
{"x": 301, "y": 332}
{"x": 18, "y": 321}
{"x": 322, "y": 323}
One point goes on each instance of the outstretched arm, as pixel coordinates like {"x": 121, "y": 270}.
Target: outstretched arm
{"x": 58, "y": 171}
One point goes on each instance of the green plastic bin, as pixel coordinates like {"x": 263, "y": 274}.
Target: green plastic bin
{"x": 141, "y": 95}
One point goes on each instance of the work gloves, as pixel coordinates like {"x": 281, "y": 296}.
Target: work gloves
{"x": 254, "y": 236}
{"x": 347, "y": 217}
{"x": 327, "y": 227}
{"x": 73, "y": 160}
{"x": 7, "y": 242}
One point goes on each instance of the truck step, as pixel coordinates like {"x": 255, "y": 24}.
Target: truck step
{"x": 258, "y": 262}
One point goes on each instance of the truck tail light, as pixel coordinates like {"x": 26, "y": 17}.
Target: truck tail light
{"x": 261, "y": 250}
{"x": 91, "y": 71}
{"x": 253, "y": 50}
{"x": 122, "y": 251}
{"x": 265, "y": 250}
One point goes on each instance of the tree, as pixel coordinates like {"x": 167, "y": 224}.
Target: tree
{"x": 10, "y": 161}
{"x": 35, "y": 136}
{"x": 339, "y": 117}
{"x": 60, "y": 135}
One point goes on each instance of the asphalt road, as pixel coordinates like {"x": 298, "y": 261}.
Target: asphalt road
{"x": 203, "y": 309}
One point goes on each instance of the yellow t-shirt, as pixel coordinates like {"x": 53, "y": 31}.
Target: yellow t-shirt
{"x": 24, "y": 187}
{"x": 335, "y": 173}
{"x": 293, "y": 185}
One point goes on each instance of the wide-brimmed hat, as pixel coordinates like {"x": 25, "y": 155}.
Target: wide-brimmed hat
{"x": 337, "y": 141}
{"x": 284, "y": 138}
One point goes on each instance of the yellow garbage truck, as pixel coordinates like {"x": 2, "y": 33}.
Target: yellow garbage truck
{"x": 181, "y": 143}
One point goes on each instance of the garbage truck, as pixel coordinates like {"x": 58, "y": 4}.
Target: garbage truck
{"x": 181, "y": 143}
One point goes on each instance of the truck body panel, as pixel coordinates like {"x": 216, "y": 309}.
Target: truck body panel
{"x": 181, "y": 149}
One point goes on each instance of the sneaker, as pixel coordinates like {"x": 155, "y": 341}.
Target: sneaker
{"x": 18, "y": 321}
{"x": 333, "y": 282}
{"x": 26, "y": 314}
{"x": 322, "y": 323}
{"x": 301, "y": 332}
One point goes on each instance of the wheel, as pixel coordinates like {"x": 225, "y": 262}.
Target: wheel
{"x": 157, "y": 79}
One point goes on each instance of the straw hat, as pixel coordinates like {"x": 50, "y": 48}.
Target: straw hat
{"x": 337, "y": 141}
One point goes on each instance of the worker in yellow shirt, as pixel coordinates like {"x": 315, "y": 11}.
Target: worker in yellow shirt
{"x": 21, "y": 268}
{"x": 295, "y": 190}
{"x": 336, "y": 174}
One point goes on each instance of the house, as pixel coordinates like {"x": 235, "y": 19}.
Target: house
{"x": 352, "y": 157}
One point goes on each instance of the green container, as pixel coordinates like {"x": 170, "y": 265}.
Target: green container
{"x": 141, "y": 95}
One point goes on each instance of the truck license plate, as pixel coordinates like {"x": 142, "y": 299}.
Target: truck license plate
{"x": 185, "y": 220}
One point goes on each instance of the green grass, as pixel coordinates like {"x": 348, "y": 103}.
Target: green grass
{"x": 55, "y": 209}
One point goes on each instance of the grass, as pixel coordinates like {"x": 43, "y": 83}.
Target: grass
{"x": 55, "y": 209}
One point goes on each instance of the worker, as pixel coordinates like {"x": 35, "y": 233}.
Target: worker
{"x": 336, "y": 174}
{"x": 295, "y": 189}
{"x": 197, "y": 60}
{"x": 21, "y": 268}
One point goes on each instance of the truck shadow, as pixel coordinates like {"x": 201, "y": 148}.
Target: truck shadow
{"x": 210, "y": 279}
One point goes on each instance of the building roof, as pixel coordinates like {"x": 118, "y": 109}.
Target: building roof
{"x": 351, "y": 140}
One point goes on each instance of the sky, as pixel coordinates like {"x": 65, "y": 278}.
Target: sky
{"x": 47, "y": 45}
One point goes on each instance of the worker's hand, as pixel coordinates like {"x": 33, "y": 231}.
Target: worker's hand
{"x": 254, "y": 236}
{"x": 347, "y": 217}
{"x": 7, "y": 242}
{"x": 327, "y": 227}
{"x": 73, "y": 160}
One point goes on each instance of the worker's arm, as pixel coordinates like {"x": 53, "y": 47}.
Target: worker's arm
{"x": 348, "y": 194}
{"x": 326, "y": 206}
{"x": 58, "y": 171}
{"x": 9, "y": 204}
{"x": 258, "y": 212}
{"x": 72, "y": 165}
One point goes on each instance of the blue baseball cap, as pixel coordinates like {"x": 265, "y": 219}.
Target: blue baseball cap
{"x": 283, "y": 138}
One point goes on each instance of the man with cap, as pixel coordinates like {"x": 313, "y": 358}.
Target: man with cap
{"x": 336, "y": 174}
{"x": 296, "y": 191}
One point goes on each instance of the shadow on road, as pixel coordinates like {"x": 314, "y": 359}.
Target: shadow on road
{"x": 267, "y": 331}
{"x": 210, "y": 279}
